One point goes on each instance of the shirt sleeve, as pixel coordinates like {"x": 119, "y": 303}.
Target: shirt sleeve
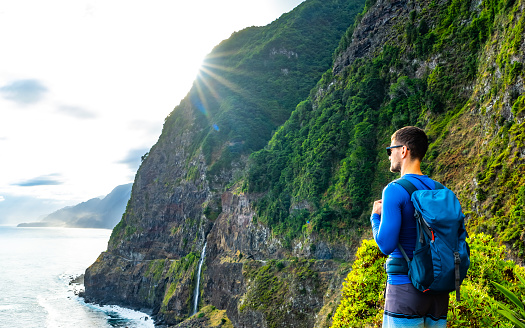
{"x": 386, "y": 227}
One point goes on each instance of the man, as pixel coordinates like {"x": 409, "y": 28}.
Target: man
{"x": 392, "y": 223}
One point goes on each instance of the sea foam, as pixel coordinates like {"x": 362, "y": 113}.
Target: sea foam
{"x": 116, "y": 314}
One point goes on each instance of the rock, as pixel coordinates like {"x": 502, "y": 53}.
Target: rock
{"x": 375, "y": 30}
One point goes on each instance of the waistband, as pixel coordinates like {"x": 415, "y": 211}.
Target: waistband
{"x": 396, "y": 265}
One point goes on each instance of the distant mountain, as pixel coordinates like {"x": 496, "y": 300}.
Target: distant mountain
{"x": 102, "y": 213}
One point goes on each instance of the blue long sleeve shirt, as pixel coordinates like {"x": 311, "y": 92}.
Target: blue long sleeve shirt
{"x": 397, "y": 223}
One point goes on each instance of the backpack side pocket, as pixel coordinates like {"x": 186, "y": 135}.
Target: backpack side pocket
{"x": 421, "y": 271}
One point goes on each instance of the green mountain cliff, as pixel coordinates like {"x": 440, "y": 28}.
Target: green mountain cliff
{"x": 276, "y": 154}
{"x": 247, "y": 88}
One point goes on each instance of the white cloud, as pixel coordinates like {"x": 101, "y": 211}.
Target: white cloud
{"x": 45, "y": 180}
{"x": 2, "y": 198}
{"x": 76, "y": 111}
{"x": 24, "y": 92}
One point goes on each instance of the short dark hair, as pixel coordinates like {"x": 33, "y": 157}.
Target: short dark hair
{"x": 414, "y": 138}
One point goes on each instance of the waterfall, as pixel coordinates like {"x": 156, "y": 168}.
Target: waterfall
{"x": 196, "y": 292}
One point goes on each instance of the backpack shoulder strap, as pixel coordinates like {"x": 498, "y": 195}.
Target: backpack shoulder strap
{"x": 409, "y": 186}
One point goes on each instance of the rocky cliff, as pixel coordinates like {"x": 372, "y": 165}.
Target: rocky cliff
{"x": 185, "y": 194}
{"x": 281, "y": 194}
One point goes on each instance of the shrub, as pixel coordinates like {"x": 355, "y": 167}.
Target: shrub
{"x": 516, "y": 317}
{"x": 362, "y": 300}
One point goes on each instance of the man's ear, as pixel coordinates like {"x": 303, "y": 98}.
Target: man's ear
{"x": 404, "y": 152}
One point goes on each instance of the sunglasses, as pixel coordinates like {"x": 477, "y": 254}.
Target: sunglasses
{"x": 389, "y": 149}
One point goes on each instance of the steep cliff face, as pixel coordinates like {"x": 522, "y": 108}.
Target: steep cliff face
{"x": 261, "y": 283}
{"x": 280, "y": 217}
{"x": 453, "y": 68}
{"x": 247, "y": 87}
{"x": 152, "y": 251}
{"x": 374, "y": 30}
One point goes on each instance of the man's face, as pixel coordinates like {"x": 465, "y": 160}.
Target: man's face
{"x": 395, "y": 157}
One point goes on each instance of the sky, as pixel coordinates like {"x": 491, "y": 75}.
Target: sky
{"x": 85, "y": 86}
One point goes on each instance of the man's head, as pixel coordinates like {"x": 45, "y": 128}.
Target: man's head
{"x": 414, "y": 142}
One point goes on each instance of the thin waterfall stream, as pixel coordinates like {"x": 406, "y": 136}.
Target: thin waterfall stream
{"x": 196, "y": 291}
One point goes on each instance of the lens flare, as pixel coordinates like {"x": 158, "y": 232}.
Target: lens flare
{"x": 208, "y": 83}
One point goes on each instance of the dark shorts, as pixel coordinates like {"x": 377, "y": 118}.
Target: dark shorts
{"x": 405, "y": 306}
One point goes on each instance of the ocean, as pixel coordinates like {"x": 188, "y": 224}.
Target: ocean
{"x": 36, "y": 268}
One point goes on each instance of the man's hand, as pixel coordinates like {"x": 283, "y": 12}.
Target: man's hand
{"x": 378, "y": 207}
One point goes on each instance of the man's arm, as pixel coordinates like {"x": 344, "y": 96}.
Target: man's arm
{"x": 386, "y": 219}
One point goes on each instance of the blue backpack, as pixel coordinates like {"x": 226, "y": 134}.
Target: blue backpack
{"x": 442, "y": 256}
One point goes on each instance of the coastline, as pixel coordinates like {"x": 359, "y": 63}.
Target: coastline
{"x": 118, "y": 316}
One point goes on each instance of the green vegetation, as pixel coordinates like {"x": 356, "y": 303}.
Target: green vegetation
{"x": 363, "y": 289}
{"x": 165, "y": 279}
{"x": 179, "y": 271}
{"x": 362, "y": 301}
{"x": 213, "y": 317}
{"x": 517, "y": 317}
{"x": 155, "y": 269}
{"x": 269, "y": 288}
{"x": 326, "y": 164}
{"x": 249, "y": 84}
{"x": 325, "y": 157}
{"x": 273, "y": 284}
{"x": 321, "y": 170}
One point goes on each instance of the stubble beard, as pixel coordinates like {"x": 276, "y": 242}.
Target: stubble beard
{"x": 395, "y": 167}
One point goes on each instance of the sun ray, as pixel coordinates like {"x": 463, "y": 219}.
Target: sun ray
{"x": 201, "y": 103}
{"x": 226, "y": 69}
{"x": 230, "y": 85}
{"x": 208, "y": 82}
